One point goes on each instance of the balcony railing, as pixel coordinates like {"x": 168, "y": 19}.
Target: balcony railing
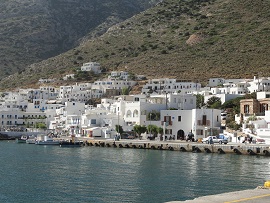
{"x": 201, "y": 123}
{"x": 167, "y": 123}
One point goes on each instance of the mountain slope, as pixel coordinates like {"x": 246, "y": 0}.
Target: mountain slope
{"x": 34, "y": 30}
{"x": 191, "y": 39}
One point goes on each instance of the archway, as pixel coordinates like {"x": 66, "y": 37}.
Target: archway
{"x": 180, "y": 135}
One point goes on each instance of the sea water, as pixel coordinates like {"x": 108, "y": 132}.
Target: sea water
{"x": 33, "y": 173}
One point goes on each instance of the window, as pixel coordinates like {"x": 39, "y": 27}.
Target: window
{"x": 128, "y": 113}
{"x": 168, "y": 120}
{"x": 204, "y": 120}
{"x": 263, "y": 107}
{"x": 179, "y": 118}
{"x": 217, "y": 118}
{"x": 93, "y": 121}
{"x": 135, "y": 113}
{"x": 246, "y": 108}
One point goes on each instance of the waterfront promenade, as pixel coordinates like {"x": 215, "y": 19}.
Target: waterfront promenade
{"x": 245, "y": 196}
{"x": 183, "y": 146}
{"x": 175, "y": 145}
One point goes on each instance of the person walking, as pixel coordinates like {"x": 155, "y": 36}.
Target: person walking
{"x": 211, "y": 140}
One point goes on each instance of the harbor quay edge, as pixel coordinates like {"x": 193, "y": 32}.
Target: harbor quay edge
{"x": 235, "y": 148}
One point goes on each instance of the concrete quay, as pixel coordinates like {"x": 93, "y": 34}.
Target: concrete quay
{"x": 258, "y": 195}
{"x": 183, "y": 146}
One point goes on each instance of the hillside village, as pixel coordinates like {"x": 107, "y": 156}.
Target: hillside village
{"x": 169, "y": 104}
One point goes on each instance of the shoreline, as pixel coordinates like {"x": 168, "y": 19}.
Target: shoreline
{"x": 183, "y": 146}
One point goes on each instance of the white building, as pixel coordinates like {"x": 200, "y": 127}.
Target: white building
{"x": 201, "y": 122}
{"x": 214, "y": 82}
{"x": 46, "y": 80}
{"x": 119, "y": 75}
{"x": 167, "y": 85}
{"x": 108, "y": 84}
{"x": 232, "y": 88}
{"x": 68, "y": 77}
{"x": 81, "y": 92}
{"x": 91, "y": 66}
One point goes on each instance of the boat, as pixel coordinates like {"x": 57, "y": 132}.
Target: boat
{"x": 70, "y": 143}
{"x": 47, "y": 141}
{"x": 31, "y": 140}
{"x": 22, "y": 139}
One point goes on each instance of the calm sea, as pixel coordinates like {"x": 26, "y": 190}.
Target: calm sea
{"x": 33, "y": 173}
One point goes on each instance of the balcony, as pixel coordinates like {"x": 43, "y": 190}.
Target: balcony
{"x": 167, "y": 123}
{"x": 201, "y": 123}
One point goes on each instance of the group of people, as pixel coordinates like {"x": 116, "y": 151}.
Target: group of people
{"x": 247, "y": 140}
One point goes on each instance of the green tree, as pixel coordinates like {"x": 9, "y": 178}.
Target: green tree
{"x": 160, "y": 130}
{"x": 233, "y": 104}
{"x": 139, "y": 129}
{"x": 41, "y": 125}
{"x": 213, "y": 103}
{"x": 153, "y": 116}
{"x": 125, "y": 91}
{"x": 199, "y": 101}
{"x": 233, "y": 125}
{"x": 152, "y": 129}
{"x": 119, "y": 129}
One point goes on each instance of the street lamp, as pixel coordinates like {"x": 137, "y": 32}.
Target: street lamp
{"x": 150, "y": 124}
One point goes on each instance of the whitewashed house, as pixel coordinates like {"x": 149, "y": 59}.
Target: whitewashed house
{"x": 81, "y": 92}
{"x": 91, "y": 66}
{"x": 106, "y": 84}
{"x": 68, "y": 118}
{"x": 214, "y": 82}
{"x": 201, "y": 122}
{"x": 68, "y": 77}
{"x": 167, "y": 85}
{"x": 119, "y": 75}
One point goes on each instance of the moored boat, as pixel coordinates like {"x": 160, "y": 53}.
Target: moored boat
{"x": 47, "y": 141}
{"x": 22, "y": 139}
{"x": 31, "y": 140}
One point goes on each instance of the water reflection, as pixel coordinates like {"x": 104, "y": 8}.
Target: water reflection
{"x": 93, "y": 174}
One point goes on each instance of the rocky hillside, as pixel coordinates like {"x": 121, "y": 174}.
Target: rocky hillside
{"x": 35, "y": 30}
{"x": 191, "y": 39}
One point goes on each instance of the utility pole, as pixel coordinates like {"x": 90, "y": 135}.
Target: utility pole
{"x": 166, "y": 101}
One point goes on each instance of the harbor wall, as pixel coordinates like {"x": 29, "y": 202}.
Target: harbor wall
{"x": 16, "y": 134}
{"x": 241, "y": 149}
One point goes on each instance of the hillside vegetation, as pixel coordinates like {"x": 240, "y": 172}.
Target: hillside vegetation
{"x": 189, "y": 39}
{"x": 35, "y": 30}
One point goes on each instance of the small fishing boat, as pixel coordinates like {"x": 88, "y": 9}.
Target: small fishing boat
{"x": 22, "y": 139}
{"x": 47, "y": 141}
{"x": 31, "y": 140}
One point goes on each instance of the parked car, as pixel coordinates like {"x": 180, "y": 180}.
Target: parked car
{"x": 215, "y": 139}
{"x": 127, "y": 136}
{"x": 260, "y": 141}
